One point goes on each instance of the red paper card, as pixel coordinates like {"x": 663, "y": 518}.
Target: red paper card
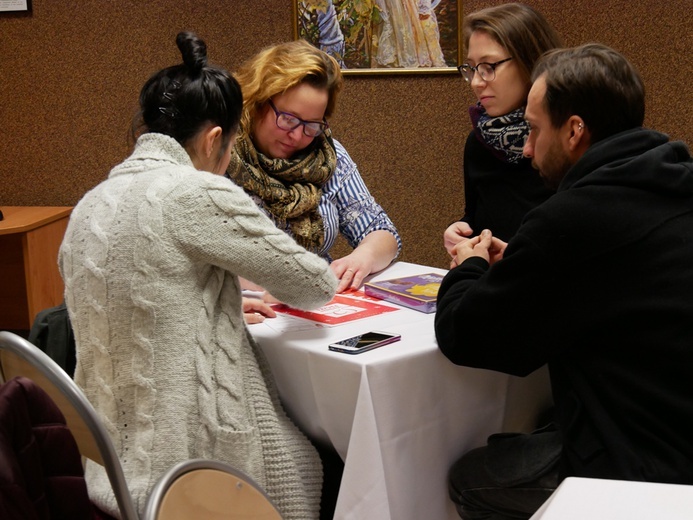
{"x": 340, "y": 309}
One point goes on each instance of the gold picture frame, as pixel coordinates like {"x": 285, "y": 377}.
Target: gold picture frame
{"x": 384, "y": 36}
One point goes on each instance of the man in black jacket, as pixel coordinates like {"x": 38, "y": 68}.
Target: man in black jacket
{"x": 598, "y": 284}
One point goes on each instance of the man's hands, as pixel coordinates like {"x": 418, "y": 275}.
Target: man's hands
{"x": 485, "y": 246}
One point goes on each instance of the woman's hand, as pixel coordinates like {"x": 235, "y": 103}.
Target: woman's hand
{"x": 454, "y": 234}
{"x": 373, "y": 254}
{"x": 351, "y": 270}
{"x": 254, "y": 290}
{"x": 256, "y": 310}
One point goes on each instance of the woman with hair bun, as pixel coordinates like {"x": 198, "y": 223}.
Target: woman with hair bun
{"x": 151, "y": 262}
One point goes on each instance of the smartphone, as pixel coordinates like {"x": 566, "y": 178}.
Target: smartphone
{"x": 364, "y": 342}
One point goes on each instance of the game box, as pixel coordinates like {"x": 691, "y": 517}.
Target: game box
{"x": 417, "y": 292}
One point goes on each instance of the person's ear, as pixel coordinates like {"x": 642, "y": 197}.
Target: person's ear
{"x": 576, "y": 137}
{"x": 212, "y": 139}
{"x": 578, "y": 134}
{"x": 203, "y": 147}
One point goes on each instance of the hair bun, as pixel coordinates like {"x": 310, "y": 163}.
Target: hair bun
{"x": 193, "y": 50}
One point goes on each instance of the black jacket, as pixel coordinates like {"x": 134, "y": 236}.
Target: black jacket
{"x": 598, "y": 283}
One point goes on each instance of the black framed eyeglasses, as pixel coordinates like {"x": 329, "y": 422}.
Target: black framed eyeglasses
{"x": 287, "y": 121}
{"x": 487, "y": 71}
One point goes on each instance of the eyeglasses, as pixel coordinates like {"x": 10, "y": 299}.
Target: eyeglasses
{"x": 287, "y": 121}
{"x": 487, "y": 71}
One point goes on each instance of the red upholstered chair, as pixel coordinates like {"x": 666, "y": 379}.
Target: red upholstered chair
{"x": 41, "y": 474}
{"x": 46, "y": 462}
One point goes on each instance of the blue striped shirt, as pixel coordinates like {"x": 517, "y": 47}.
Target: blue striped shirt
{"x": 347, "y": 207}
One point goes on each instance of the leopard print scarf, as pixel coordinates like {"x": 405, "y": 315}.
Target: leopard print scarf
{"x": 289, "y": 189}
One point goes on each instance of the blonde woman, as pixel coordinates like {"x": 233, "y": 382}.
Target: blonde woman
{"x": 287, "y": 160}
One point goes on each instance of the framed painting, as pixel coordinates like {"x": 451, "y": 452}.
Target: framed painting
{"x": 384, "y": 36}
{"x": 15, "y": 6}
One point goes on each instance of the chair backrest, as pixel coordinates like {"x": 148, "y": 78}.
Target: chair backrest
{"x": 208, "y": 489}
{"x": 20, "y": 358}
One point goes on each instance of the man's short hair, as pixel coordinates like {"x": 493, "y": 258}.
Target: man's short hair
{"x": 596, "y": 83}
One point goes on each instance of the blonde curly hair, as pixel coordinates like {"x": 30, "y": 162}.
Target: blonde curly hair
{"x": 278, "y": 68}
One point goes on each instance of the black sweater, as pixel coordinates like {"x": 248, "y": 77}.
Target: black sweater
{"x": 498, "y": 194}
{"x": 598, "y": 283}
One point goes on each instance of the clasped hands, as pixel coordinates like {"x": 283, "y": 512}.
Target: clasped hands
{"x": 460, "y": 247}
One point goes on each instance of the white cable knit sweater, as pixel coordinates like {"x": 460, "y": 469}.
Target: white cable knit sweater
{"x": 151, "y": 260}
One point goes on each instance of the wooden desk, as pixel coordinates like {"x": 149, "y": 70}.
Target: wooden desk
{"x": 30, "y": 237}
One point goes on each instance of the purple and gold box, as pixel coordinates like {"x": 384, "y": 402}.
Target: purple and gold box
{"x": 417, "y": 292}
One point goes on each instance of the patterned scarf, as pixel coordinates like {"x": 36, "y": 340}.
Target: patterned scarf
{"x": 290, "y": 189}
{"x": 505, "y": 135}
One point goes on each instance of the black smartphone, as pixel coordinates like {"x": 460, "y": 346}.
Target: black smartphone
{"x": 364, "y": 342}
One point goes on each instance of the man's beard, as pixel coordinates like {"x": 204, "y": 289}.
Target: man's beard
{"x": 555, "y": 165}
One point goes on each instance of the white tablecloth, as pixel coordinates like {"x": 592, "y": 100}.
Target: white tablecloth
{"x": 599, "y": 499}
{"x": 400, "y": 415}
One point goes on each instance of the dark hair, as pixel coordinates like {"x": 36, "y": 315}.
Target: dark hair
{"x": 521, "y": 30}
{"x": 596, "y": 83}
{"x": 179, "y": 100}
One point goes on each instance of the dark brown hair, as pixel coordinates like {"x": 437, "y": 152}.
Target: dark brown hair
{"x": 521, "y": 30}
{"x": 596, "y": 83}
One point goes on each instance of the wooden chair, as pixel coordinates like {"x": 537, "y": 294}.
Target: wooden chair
{"x": 211, "y": 490}
{"x": 18, "y": 357}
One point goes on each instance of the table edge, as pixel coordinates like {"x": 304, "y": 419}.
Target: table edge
{"x": 30, "y": 217}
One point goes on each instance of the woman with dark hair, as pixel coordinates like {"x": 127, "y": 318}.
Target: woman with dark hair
{"x": 500, "y": 185}
{"x": 151, "y": 262}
